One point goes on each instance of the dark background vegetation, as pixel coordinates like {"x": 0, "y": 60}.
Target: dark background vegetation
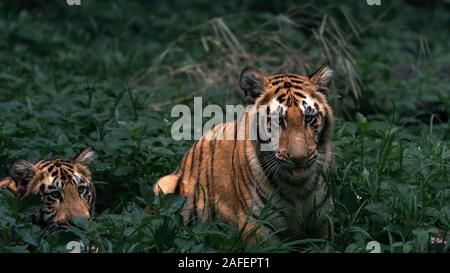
{"x": 107, "y": 73}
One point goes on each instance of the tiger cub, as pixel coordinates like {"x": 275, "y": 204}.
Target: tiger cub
{"x": 64, "y": 186}
{"x": 234, "y": 178}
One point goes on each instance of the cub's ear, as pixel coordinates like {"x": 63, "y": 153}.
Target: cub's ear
{"x": 86, "y": 157}
{"x": 252, "y": 81}
{"x": 22, "y": 172}
{"x": 322, "y": 77}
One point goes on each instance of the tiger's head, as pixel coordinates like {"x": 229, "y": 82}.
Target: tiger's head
{"x": 64, "y": 187}
{"x": 304, "y": 117}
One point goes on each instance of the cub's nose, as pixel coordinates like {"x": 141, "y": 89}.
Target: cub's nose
{"x": 66, "y": 216}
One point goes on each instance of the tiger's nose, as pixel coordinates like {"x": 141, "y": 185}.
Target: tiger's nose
{"x": 303, "y": 158}
{"x": 66, "y": 217}
{"x": 84, "y": 213}
{"x": 298, "y": 160}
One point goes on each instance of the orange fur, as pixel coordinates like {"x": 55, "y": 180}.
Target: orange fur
{"x": 234, "y": 179}
{"x": 64, "y": 186}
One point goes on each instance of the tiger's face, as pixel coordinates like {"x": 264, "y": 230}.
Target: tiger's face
{"x": 303, "y": 116}
{"x": 64, "y": 186}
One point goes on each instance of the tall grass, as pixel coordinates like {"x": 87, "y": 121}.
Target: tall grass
{"x": 210, "y": 55}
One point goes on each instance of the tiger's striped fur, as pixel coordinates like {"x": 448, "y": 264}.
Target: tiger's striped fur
{"x": 64, "y": 186}
{"x": 235, "y": 179}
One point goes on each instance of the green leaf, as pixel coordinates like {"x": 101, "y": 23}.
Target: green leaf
{"x": 123, "y": 171}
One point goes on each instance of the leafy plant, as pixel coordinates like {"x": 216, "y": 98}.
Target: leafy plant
{"x": 105, "y": 74}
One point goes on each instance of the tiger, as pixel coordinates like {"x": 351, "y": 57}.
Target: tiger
{"x": 235, "y": 180}
{"x": 64, "y": 186}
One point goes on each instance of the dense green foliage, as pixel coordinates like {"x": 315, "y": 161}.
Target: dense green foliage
{"x": 106, "y": 74}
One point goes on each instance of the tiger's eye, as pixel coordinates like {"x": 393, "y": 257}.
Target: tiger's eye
{"x": 82, "y": 190}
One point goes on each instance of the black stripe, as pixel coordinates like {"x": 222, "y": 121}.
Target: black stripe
{"x": 212, "y": 146}
{"x": 278, "y": 89}
{"x": 258, "y": 135}
{"x": 261, "y": 194}
{"x": 239, "y": 165}
{"x": 325, "y": 128}
{"x": 264, "y": 167}
{"x": 285, "y": 75}
{"x": 290, "y": 76}
{"x": 281, "y": 97}
{"x": 182, "y": 163}
{"x": 191, "y": 168}
{"x": 69, "y": 168}
{"x": 200, "y": 158}
{"x": 45, "y": 163}
{"x": 234, "y": 176}
{"x": 299, "y": 94}
{"x": 193, "y": 211}
{"x": 245, "y": 179}
{"x": 182, "y": 169}
{"x": 178, "y": 187}
{"x": 278, "y": 77}
{"x": 200, "y": 161}
{"x": 207, "y": 178}
{"x": 276, "y": 82}
{"x": 63, "y": 175}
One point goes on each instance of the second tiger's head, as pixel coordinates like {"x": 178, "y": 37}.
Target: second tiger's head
{"x": 303, "y": 115}
{"x": 64, "y": 186}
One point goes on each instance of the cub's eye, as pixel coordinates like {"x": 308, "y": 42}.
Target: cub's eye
{"x": 82, "y": 190}
{"x": 309, "y": 118}
{"x": 55, "y": 195}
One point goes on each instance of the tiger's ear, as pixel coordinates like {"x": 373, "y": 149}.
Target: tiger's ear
{"x": 22, "y": 172}
{"x": 86, "y": 157}
{"x": 322, "y": 77}
{"x": 252, "y": 81}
